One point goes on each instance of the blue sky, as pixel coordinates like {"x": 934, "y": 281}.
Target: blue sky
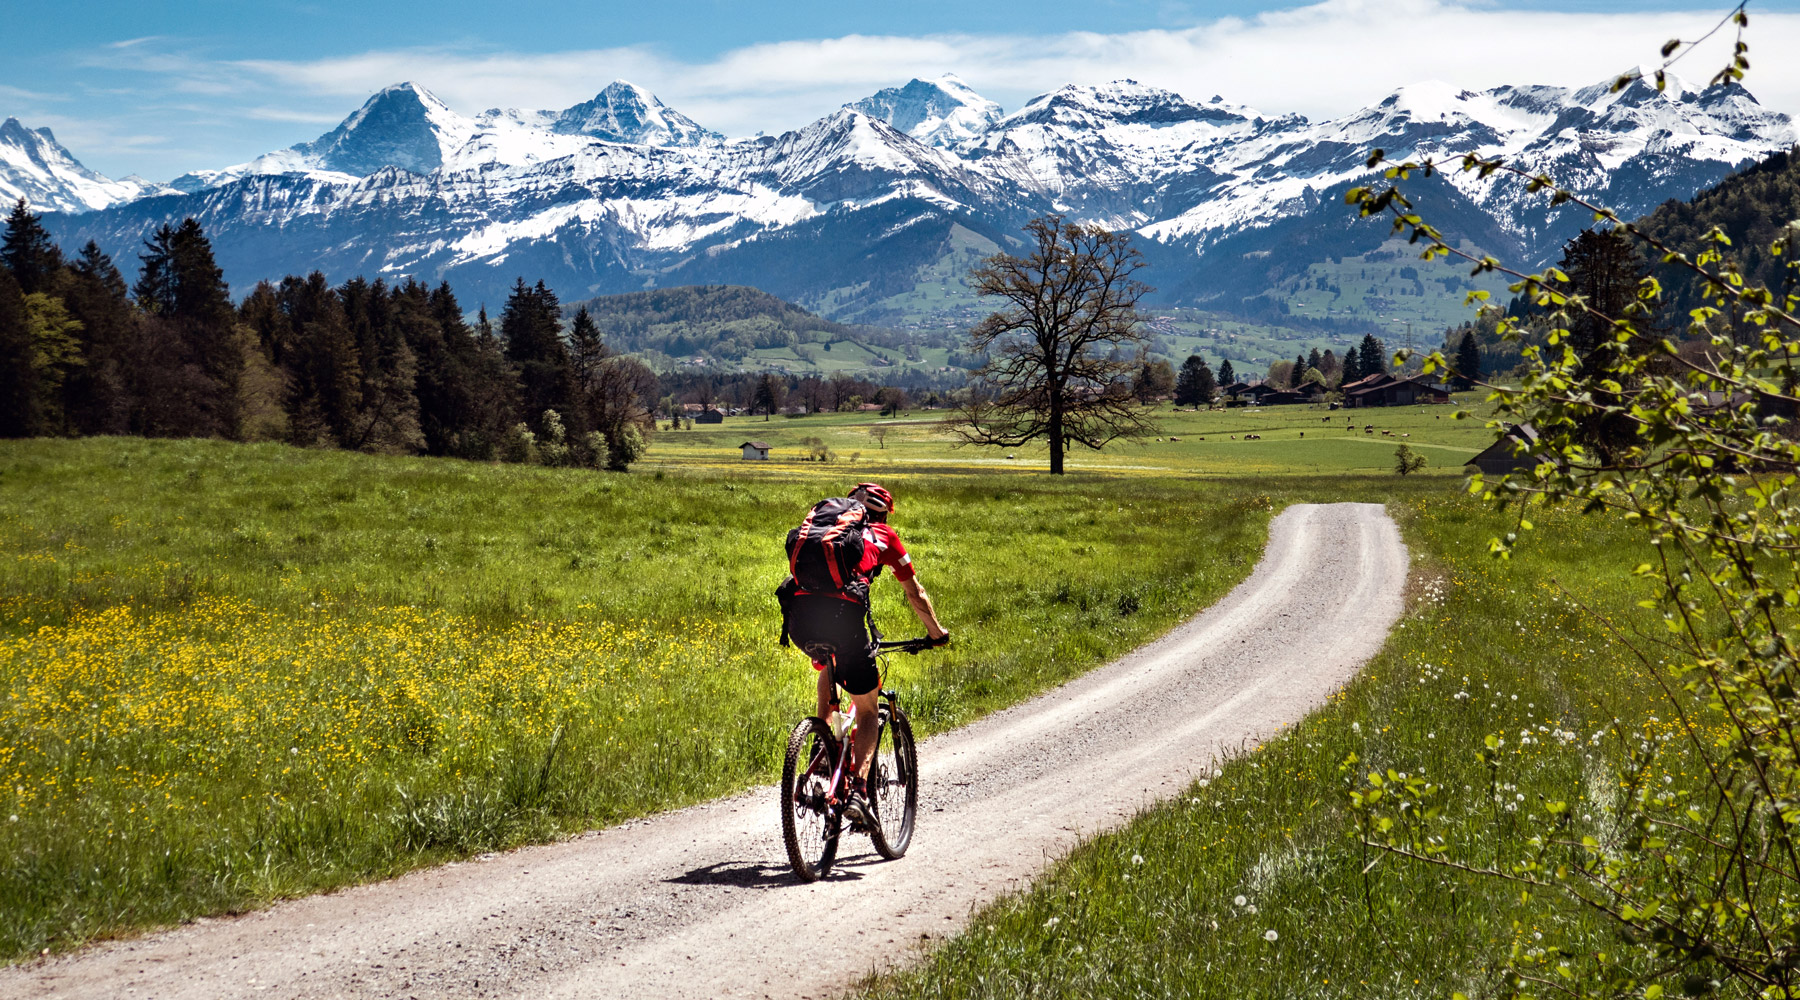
{"x": 159, "y": 89}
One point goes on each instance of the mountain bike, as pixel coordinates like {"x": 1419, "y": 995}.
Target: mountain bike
{"x": 815, "y": 781}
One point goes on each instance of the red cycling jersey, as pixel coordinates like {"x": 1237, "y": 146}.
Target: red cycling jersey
{"x": 881, "y": 547}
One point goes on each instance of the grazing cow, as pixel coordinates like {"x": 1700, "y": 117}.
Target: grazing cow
{"x": 1174, "y": 439}
{"x": 1386, "y": 434}
{"x": 1406, "y": 435}
{"x": 1368, "y": 429}
{"x": 1328, "y": 419}
{"x": 1234, "y": 437}
{"x": 1302, "y": 433}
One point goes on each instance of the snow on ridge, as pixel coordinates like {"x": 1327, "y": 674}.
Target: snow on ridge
{"x": 943, "y": 111}
{"x": 36, "y": 167}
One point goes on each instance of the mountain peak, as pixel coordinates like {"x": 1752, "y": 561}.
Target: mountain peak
{"x": 940, "y": 112}
{"x": 37, "y": 168}
{"x": 401, "y": 125}
{"x": 625, "y": 112}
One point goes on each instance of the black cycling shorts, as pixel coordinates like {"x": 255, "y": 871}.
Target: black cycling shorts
{"x": 832, "y": 631}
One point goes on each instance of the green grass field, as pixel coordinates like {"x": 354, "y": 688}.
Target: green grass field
{"x": 1291, "y": 441}
{"x": 238, "y": 673}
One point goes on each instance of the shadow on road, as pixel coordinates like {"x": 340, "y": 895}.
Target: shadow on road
{"x": 755, "y": 875}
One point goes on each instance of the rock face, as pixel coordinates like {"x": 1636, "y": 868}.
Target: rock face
{"x": 622, "y": 192}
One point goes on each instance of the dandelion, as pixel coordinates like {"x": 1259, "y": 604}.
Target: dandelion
{"x": 1356, "y": 727}
{"x": 1204, "y": 782}
{"x": 1052, "y": 922}
{"x": 1137, "y": 859}
{"x": 1251, "y": 909}
{"x": 1270, "y": 935}
{"x": 1239, "y": 901}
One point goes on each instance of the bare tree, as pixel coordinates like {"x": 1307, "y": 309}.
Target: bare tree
{"x": 1055, "y": 369}
{"x": 620, "y": 395}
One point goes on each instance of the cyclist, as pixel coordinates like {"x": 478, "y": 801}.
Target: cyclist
{"x": 832, "y": 627}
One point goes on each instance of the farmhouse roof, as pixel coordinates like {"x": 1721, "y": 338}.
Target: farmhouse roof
{"x": 1503, "y": 446}
{"x": 758, "y": 445}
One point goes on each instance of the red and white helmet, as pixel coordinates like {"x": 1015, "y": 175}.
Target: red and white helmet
{"x": 873, "y": 496}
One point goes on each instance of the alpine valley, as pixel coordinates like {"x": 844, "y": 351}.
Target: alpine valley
{"x": 874, "y": 213}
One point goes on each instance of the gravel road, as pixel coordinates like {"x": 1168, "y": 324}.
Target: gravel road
{"x": 698, "y": 902}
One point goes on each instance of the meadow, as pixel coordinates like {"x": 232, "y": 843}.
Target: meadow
{"x": 241, "y": 673}
{"x": 236, "y": 673}
{"x": 1247, "y": 443}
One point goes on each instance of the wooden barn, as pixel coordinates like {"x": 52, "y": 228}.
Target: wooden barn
{"x": 1502, "y": 456}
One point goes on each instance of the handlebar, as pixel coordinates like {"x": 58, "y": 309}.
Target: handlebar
{"x": 914, "y": 646}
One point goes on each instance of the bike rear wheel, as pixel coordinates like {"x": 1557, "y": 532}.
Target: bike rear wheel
{"x": 894, "y": 784}
{"x": 809, "y": 826}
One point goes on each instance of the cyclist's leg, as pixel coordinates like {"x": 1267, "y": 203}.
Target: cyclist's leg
{"x": 827, "y": 689}
{"x": 868, "y": 727}
{"x": 859, "y": 674}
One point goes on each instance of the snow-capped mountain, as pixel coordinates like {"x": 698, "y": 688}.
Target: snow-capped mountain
{"x": 624, "y": 112}
{"x": 403, "y": 126}
{"x": 622, "y": 192}
{"x": 35, "y": 167}
{"x": 940, "y": 112}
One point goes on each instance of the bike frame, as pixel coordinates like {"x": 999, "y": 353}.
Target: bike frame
{"x": 840, "y": 771}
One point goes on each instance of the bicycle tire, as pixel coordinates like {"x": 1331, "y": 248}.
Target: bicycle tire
{"x": 808, "y": 828}
{"x": 894, "y": 785}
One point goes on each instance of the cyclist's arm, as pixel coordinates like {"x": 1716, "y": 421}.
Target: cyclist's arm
{"x": 921, "y": 605}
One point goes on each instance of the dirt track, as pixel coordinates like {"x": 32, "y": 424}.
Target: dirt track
{"x": 698, "y": 903}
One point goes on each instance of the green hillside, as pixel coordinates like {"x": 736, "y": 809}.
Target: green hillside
{"x": 724, "y": 321}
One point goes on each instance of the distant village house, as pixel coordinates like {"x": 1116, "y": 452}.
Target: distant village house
{"x": 755, "y": 451}
{"x": 710, "y": 417}
{"x": 1382, "y": 389}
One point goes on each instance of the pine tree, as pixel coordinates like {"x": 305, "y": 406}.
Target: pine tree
{"x": 531, "y": 329}
{"x": 321, "y": 363}
{"x": 388, "y": 418}
{"x": 28, "y": 251}
{"x": 18, "y": 376}
{"x": 1226, "y": 375}
{"x": 1314, "y": 360}
{"x": 1352, "y": 367}
{"x": 1194, "y": 386}
{"x": 1604, "y": 269}
{"x": 182, "y": 286}
{"x": 586, "y": 349}
{"x": 95, "y": 396}
{"x": 1298, "y": 374}
{"x": 1373, "y": 356}
{"x": 1468, "y": 361}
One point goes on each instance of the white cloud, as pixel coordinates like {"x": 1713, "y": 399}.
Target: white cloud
{"x": 1320, "y": 60}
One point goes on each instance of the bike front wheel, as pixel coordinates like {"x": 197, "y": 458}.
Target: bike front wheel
{"x": 809, "y": 825}
{"x": 894, "y": 784}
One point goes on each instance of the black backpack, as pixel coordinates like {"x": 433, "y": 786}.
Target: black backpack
{"x": 826, "y": 550}
{"x": 824, "y": 555}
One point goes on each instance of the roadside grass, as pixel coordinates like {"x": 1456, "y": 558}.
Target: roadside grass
{"x": 235, "y": 673}
{"x": 1254, "y": 884}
